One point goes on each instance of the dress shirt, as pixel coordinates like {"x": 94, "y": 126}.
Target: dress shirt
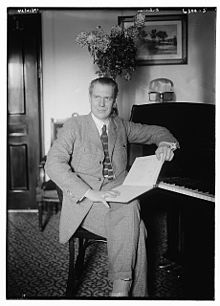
{"x": 99, "y": 124}
{"x": 172, "y": 145}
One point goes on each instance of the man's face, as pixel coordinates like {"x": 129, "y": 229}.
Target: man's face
{"x": 102, "y": 100}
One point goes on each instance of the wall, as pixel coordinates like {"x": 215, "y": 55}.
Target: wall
{"x": 68, "y": 69}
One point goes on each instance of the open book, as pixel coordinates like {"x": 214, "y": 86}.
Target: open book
{"x": 142, "y": 177}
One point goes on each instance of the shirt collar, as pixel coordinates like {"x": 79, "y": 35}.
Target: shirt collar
{"x": 99, "y": 123}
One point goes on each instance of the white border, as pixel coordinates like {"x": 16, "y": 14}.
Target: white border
{"x": 3, "y": 55}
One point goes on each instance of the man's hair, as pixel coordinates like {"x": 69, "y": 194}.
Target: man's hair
{"x": 104, "y": 81}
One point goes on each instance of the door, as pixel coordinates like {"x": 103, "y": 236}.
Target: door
{"x": 23, "y": 150}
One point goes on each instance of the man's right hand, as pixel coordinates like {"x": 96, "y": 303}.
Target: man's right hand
{"x": 99, "y": 196}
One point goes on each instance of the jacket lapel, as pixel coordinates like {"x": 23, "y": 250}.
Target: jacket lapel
{"x": 112, "y": 136}
{"x": 93, "y": 134}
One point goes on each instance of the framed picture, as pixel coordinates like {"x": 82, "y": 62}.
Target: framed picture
{"x": 163, "y": 39}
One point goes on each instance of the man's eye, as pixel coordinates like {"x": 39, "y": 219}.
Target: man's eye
{"x": 108, "y": 99}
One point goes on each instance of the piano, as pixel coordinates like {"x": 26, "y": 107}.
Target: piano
{"x": 185, "y": 189}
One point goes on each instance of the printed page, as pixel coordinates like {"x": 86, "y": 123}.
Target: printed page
{"x": 144, "y": 171}
{"x": 141, "y": 178}
{"x": 128, "y": 193}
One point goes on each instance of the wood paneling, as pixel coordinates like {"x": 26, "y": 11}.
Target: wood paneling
{"x": 18, "y": 178}
{"x": 16, "y": 95}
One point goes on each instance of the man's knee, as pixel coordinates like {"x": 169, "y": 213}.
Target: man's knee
{"x": 119, "y": 212}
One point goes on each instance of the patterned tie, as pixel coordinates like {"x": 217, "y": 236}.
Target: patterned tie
{"x": 107, "y": 167}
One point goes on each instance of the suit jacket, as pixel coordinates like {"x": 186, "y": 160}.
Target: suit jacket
{"x": 75, "y": 162}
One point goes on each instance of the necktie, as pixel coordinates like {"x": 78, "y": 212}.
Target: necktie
{"x": 107, "y": 167}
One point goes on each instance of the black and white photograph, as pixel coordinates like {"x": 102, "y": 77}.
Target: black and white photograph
{"x": 110, "y": 153}
{"x": 162, "y": 39}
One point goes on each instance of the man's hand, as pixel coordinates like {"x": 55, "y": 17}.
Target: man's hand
{"x": 164, "y": 152}
{"x": 99, "y": 196}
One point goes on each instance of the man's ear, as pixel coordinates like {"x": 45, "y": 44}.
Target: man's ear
{"x": 89, "y": 98}
{"x": 115, "y": 108}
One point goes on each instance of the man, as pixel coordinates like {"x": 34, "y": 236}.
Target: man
{"x": 87, "y": 160}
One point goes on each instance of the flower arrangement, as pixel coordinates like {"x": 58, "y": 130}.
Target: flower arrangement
{"x": 114, "y": 53}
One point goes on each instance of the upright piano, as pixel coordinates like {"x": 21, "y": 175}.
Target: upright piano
{"x": 186, "y": 187}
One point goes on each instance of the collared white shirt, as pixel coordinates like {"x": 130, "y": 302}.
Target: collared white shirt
{"x": 99, "y": 124}
{"x": 172, "y": 145}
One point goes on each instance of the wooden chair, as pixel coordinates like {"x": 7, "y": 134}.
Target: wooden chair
{"x": 49, "y": 199}
{"x": 46, "y": 194}
{"x": 46, "y": 197}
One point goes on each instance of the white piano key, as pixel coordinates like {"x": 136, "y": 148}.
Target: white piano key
{"x": 187, "y": 191}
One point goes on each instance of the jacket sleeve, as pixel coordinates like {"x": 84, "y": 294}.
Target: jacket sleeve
{"x": 58, "y": 163}
{"x": 148, "y": 134}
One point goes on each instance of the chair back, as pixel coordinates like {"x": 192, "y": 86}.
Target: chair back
{"x": 45, "y": 184}
{"x": 56, "y": 125}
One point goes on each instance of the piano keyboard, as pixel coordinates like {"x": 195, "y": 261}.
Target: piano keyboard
{"x": 187, "y": 191}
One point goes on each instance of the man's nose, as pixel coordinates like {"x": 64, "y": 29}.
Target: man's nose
{"x": 102, "y": 102}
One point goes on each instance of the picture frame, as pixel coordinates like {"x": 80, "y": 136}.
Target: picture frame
{"x": 163, "y": 39}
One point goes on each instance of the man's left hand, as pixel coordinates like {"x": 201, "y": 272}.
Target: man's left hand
{"x": 164, "y": 152}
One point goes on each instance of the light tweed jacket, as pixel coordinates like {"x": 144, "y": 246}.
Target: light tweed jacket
{"x": 75, "y": 162}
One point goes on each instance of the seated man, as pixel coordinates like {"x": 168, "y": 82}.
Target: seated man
{"x": 87, "y": 160}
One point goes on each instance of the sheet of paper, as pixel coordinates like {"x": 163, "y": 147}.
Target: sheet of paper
{"x": 141, "y": 178}
{"x": 128, "y": 193}
{"x": 144, "y": 171}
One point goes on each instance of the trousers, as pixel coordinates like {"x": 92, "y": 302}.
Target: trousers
{"x": 126, "y": 242}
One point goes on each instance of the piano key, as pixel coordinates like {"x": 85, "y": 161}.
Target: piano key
{"x": 187, "y": 191}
